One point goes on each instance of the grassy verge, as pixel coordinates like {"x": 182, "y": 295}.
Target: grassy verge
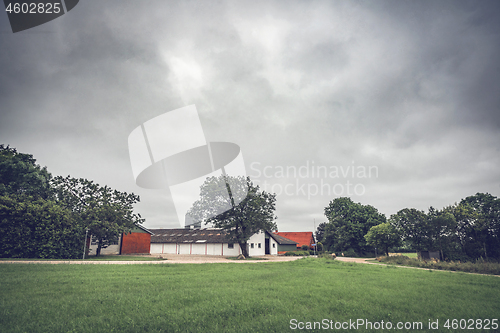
{"x": 249, "y": 258}
{"x": 469, "y": 267}
{"x": 264, "y": 297}
{"x": 94, "y": 258}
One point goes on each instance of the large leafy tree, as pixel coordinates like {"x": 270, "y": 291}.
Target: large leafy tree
{"x": 38, "y": 228}
{"x": 441, "y": 227}
{"x": 411, "y": 225}
{"x": 320, "y": 231}
{"x": 237, "y": 206}
{"x": 105, "y": 212}
{"x": 348, "y": 223}
{"x": 20, "y": 175}
{"x": 486, "y": 229}
{"x": 32, "y": 222}
{"x": 382, "y": 236}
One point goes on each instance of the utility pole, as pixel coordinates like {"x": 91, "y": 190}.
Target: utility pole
{"x": 85, "y": 243}
{"x": 314, "y": 237}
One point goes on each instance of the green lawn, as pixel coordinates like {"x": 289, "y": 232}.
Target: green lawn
{"x": 94, "y": 258}
{"x": 253, "y": 297}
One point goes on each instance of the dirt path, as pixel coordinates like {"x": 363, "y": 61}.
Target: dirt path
{"x": 169, "y": 259}
{"x": 356, "y": 260}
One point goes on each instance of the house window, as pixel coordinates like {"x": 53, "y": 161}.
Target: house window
{"x": 251, "y": 245}
{"x": 259, "y": 246}
{"x": 274, "y": 245}
{"x": 230, "y": 246}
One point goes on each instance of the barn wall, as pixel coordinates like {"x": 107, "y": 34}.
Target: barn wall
{"x": 136, "y": 243}
{"x": 258, "y": 238}
{"x": 273, "y": 247}
{"x": 156, "y": 248}
{"x": 198, "y": 248}
{"x": 217, "y": 249}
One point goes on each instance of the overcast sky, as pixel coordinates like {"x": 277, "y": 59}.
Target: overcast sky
{"x": 405, "y": 93}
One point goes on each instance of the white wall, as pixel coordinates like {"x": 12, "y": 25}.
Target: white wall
{"x": 257, "y": 239}
{"x": 217, "y": 249}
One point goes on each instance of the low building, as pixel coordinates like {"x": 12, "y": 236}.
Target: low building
{"x": 301, "y": 238}
{"x": 284, "y": 244}
{"x": 137, "y": 241}
{"x": 211, "y": 242}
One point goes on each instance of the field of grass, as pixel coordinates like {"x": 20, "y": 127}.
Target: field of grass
{"x": 258, "y": 297}
{"x": 410, "y": 255}
{"x": 92, "y": 258}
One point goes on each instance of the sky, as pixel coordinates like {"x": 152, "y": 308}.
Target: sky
{"x": 394, "y": 104}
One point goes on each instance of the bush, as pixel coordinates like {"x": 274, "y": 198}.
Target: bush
{"x": 38, "y": 228}
{"x": 350, "y": 253}
{"x": 297, "y": 253}
{"x": 480, "y": 266}
{"x": 330, "y": 256}
{"x": 304, "y": 248}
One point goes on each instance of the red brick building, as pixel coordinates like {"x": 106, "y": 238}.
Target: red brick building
{"x": 137, "y": 241}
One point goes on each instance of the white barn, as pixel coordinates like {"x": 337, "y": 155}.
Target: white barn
{"x": 211, "y": 242}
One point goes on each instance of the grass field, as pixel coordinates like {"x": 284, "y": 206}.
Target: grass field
{"x": 257, "y": 297}
{"x": 94, "y": 258}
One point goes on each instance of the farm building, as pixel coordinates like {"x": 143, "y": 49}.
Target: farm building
{"x": 301, "y": 238}
{"x": 211, "y": 242}
{"x": 135, "y": 242}
{"x": 284, "y": 244}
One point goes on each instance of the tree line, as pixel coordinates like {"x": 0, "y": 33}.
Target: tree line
{"x": 467, "y": 230}
{"x": 42, "y": 216}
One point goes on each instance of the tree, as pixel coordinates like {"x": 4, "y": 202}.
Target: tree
{"x": 33, "y": 224}
{"x": 348, "y": 223}
{"x": 441, "y": 227}
{"x": 242, "y": 213}
{"x": 105, "y": 212}
{"x": 320, "y": 231}
{"x": 487, "y": 227}
{"x": 38, "y": 228}
{"x": 20, "y": 175}
{"x": 382, "y": 236}
{"x": 411, "y": 225}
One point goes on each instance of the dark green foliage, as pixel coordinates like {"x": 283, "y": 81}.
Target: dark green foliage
{"x": 486, "y": 229}
{"x": 465, "y": 231}
{"x": 20, "y": 175}
{"x": 107, "y": 213}
{"x": 38, "y": 228}
{"x": 382, "y": 236}
{"x": 45, "y": 217}
{"x": 348, "y": 223}
{"x": 411, "y": 225}
{"x": 297, "y": 253}
{"x": 320, "y": 231}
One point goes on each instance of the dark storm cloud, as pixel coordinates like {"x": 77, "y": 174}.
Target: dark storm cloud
{"x": 409, "y": 87}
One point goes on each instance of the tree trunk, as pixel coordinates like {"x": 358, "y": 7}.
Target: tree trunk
{"x": 99, "y": 246}
{"x": 244, "y": 249}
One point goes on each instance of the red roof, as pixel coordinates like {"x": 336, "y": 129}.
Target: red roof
{"x": 302, "y": 238}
